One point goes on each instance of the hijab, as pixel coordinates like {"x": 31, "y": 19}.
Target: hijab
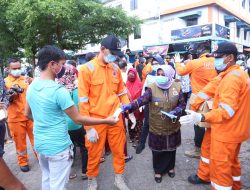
{"x": 134, "y": 87}
{"x": 169, "y": 73}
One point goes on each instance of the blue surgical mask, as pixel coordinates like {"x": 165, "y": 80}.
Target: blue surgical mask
{"x": 155, "y": 67}
{"x": 110, "y": 58}
{"x": 16, "y": 72}
{"x": 162, "y": 80}
{"x": 219, "y": 64}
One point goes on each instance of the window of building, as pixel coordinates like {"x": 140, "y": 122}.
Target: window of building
{"x": 192, "y": 21}
{"x": 133, "y": 5}
{"x": 238, "y": 32}
{"x": 243, "y": 4}
{"x": 137, "y": 33}
{"x": 227, "y": 24}
{"x": 245, "y": 35}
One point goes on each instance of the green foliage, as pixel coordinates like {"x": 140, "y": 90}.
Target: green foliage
{"x": 71, "y": 24}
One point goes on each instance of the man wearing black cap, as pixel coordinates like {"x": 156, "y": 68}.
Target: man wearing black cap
{"x": 229, "y": 119}
{"x": 101, "y": 92}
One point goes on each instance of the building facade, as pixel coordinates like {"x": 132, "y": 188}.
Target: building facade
{"x": 163, "y": 19}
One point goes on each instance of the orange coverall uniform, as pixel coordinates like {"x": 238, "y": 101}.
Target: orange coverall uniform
{"x": 19, "y": 125}
{"x": 201, "y": 72}
{"x": 101, "y": 91}
{"x": 230, "y": 122}
{"x": 147, "y": 69}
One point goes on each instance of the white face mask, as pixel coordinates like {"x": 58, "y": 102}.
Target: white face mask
{"x": 16, "y": 73}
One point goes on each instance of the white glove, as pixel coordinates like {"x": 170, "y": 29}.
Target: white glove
{"x": 141, "y": 108}
{"x": 191, "y": 119}
{"x": 92, "y": 135}
{"x": 132, "y": 119}
{"x": 177, "y": 58}
{"x": 117, "y": 113}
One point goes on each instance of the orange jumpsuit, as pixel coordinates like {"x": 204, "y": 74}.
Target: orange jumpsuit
{"x": 101, "y": 91}
{"x": 230, "y": 119}
{"x": 147, "y": 69}
{"x": 201, "y": 72}
{"x": 19, "y": 125}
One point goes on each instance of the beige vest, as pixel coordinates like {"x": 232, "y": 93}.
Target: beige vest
{"x": 160, "y": 124}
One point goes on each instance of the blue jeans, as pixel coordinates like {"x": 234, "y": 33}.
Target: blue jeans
{"x": 145, "y": 127}
{"x": 56, "y": 169}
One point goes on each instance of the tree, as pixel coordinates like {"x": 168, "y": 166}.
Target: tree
{"x": 71, "y": 24}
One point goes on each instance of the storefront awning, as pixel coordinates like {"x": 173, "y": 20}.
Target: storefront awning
{"x": 190, "y": 15}
{"x": 230, "y": 18}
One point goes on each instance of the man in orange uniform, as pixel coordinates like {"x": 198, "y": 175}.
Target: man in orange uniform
{"x": 19, "y": 124}
{"x": 229, "y": 119}
{"x": 201, "y": 72}
{"x": 147, "y": 69}
{"x": 101, "y": 93}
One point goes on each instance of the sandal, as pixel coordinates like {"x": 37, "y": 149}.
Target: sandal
{"x": 158, "y": 178}
{"x": 128, "y": 158}
{"x": 84, "y": 176}
{"x": 72, "y": 176}
{"x": 102, "y": 160}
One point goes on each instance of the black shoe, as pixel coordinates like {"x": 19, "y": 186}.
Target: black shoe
{"x": 158, "y": 179}
{"x": 171, "y": 174}
{"x": 194, "y": 179}
{"x": 127, "y": 159}
{"x": 25, "y": 168}
{"x": 139, "y": 149}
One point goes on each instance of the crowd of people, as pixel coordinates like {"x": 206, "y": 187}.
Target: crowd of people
{"x": 107, "y": 104}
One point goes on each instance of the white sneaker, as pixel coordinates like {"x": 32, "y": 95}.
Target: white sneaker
{"x": 92, "y": 183}
{"x": 120, "y": 183}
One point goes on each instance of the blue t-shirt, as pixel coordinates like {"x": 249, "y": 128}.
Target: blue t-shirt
{"x": 47, "y": 100}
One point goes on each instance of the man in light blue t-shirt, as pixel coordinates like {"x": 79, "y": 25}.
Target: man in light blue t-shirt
{"x": 47, "y": 102}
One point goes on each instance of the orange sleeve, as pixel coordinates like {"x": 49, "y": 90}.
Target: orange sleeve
{"x": 83, "y": 90}
{"x": 184, "y": 70}
{"x": 122, "y": 91}
{"x": 229, "y": 94}
{"x": 206, "y": 93}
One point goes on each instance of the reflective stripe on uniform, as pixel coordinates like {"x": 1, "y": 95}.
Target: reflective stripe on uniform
{"x": 228, "y": 108}
{"x": 83, "y": 99}
{"x": 22, "y": 153}
{"x": 90, "y": 66}
{"x": 236, "y": 178}
{"x": 203, "y": 95}
{"x": 122, "y": 93}
{"x": 234, "y": 73}
{"x": 219, "y": 187}
{"x": 205, "y": 160}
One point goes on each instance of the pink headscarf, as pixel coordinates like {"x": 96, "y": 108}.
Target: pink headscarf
{"x": 135, "y": 87}
{"x": 170, "y": 73}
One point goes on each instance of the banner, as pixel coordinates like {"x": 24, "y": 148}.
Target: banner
{"x": 192, "y": 32}
{"x": 153, "y": 50}
{"x": 222, "y": 31}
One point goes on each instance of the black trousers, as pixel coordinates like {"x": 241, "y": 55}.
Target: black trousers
{"x": 2, "y": 135}
{"x": 78, "y": 139}
{"x": 198, "y": 135}
{"x": 163, "y": 161}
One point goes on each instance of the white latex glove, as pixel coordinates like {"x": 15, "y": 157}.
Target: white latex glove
{"x": 132, "y": 119}
{"x": 117, "y": 113}
{"x": 177, "y": 58}
{"x": 191, "y": 119}
{"x": 92, "y": 135}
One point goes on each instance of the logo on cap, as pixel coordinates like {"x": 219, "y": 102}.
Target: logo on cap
{"x": 118, "y": 45}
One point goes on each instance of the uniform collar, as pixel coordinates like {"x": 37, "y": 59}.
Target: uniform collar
{"x": 101, "y": 63}
{"x": 203, "y": 55}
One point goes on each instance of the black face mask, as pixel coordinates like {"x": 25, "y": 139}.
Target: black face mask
{"x": 60, "y": 73}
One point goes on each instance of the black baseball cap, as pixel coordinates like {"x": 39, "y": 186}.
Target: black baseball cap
{"x": 224, "y": 48}
{"x": 112, "y": 43}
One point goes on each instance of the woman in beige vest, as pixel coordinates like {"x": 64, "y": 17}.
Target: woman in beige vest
{"x": 166, "y": 105}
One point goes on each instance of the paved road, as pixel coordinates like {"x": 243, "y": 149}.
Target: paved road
{"x": 139, "y": 172}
